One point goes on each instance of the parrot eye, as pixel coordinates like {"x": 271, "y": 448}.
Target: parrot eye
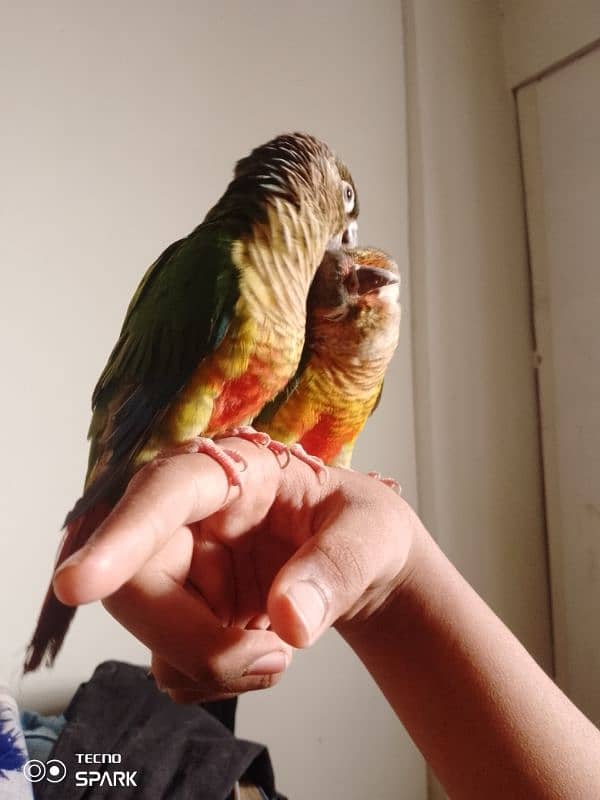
{"x": 348, "y": 195}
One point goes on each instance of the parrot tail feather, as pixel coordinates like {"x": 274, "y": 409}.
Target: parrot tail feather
{"x": 55, "y": 617}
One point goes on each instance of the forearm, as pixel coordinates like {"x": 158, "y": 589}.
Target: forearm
{"x": 488, "y": 720}
{"x": 486, "y": 717}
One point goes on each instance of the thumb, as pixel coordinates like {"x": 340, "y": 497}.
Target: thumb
{"x": 349, "y": 566}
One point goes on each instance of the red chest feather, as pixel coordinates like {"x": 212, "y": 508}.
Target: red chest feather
{"x": 242, "y": 398}
{"x": 325, "y": 440}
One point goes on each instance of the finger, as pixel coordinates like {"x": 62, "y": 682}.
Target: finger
{"x": 347, "y": 568}
{"x": 179, "y": 627}
{"x": 211, "y": 572}
{"x": 167, "y": 493}
{"x": 183, "y": 689}
{"x": 227, "y": 578}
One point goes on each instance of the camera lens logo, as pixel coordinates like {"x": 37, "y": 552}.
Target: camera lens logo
{"x": 53, "y": 770}
{"x": 34, "y": 770}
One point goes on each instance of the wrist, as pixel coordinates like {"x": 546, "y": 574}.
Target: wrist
{"x": 393, "y": 600}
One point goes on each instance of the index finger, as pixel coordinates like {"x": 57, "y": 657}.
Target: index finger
{"x": 163, "y": 496}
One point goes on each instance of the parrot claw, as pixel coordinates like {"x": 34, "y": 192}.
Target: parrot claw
{"x": 316, "y": 464}
{"x": 227, "y": 459}
{"x": 278, "y": 448}
{"x": 248, "y": 433}
{"x": 390, "y": 482}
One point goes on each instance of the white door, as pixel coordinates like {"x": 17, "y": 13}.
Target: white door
{"x": 559, "y": 117}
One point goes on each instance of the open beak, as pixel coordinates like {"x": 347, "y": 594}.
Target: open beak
{"x": 371, "y": 279}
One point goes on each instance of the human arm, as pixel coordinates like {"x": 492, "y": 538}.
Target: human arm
{"x": 488, "y": 720}
{"x": 483, "y": 713}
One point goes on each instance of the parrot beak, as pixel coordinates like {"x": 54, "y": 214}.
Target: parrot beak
{"x": 348, "y": 237}
{"x": 374, "y": 279}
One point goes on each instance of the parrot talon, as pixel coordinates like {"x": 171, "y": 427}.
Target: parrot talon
{"x": 248, "y": 433}
{"x": 260, "y": 438}
{"x": 391, "y": 483}
{"x": 315, "y": 463}
{"x": 237, "y": 457}
{"x": 278, "y": 448}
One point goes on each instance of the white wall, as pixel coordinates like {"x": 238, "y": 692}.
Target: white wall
{"x": 476, "y": 417}
{"x": 120, "y": 126}
{"x": 477, "y": 442}
{"x": 479, "y": 471}
{"x": 540, "y": 33}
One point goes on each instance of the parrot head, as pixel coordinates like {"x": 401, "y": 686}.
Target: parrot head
{"x": 354, "y": 307}
{"x": 302, "y": 171}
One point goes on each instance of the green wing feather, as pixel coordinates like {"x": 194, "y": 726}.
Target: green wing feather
{"x": 178, "y": 315}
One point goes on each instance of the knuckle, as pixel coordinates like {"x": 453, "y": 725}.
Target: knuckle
{"x": 261, "y": 682}
{"x": 209, "y": 681}
{"x": 210, "y": 677}
{"x": 344, "y": 570}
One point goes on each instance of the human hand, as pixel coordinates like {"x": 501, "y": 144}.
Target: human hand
{"x": 220, "y": 583}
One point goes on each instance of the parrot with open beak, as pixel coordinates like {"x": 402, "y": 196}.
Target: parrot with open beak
{"x": 352, "y": 332}
{"x": 214, "y": 331}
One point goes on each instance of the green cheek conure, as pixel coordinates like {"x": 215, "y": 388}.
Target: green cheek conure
{"x": 214, "y": 332}
{"x": 352, "y": 333}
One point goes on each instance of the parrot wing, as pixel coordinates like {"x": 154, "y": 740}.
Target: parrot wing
{"x": 178, "y": 315}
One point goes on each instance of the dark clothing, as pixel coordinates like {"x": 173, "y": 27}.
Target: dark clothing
{"x": 159, "y": 749}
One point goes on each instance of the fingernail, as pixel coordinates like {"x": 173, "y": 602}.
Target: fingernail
{"x": 270, "y": 664}
{"x": 72, "y": 561}
{"x": 98, "y": 559}
{"x": 309, "y": 603}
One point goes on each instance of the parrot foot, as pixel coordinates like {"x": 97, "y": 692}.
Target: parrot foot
{"x": 227, "y": 459}
{"x": 315, "y": 463}
{"x": 248, "y": 433}
{"x": 278, "y": 448}
{"x": 390, "y": 482}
